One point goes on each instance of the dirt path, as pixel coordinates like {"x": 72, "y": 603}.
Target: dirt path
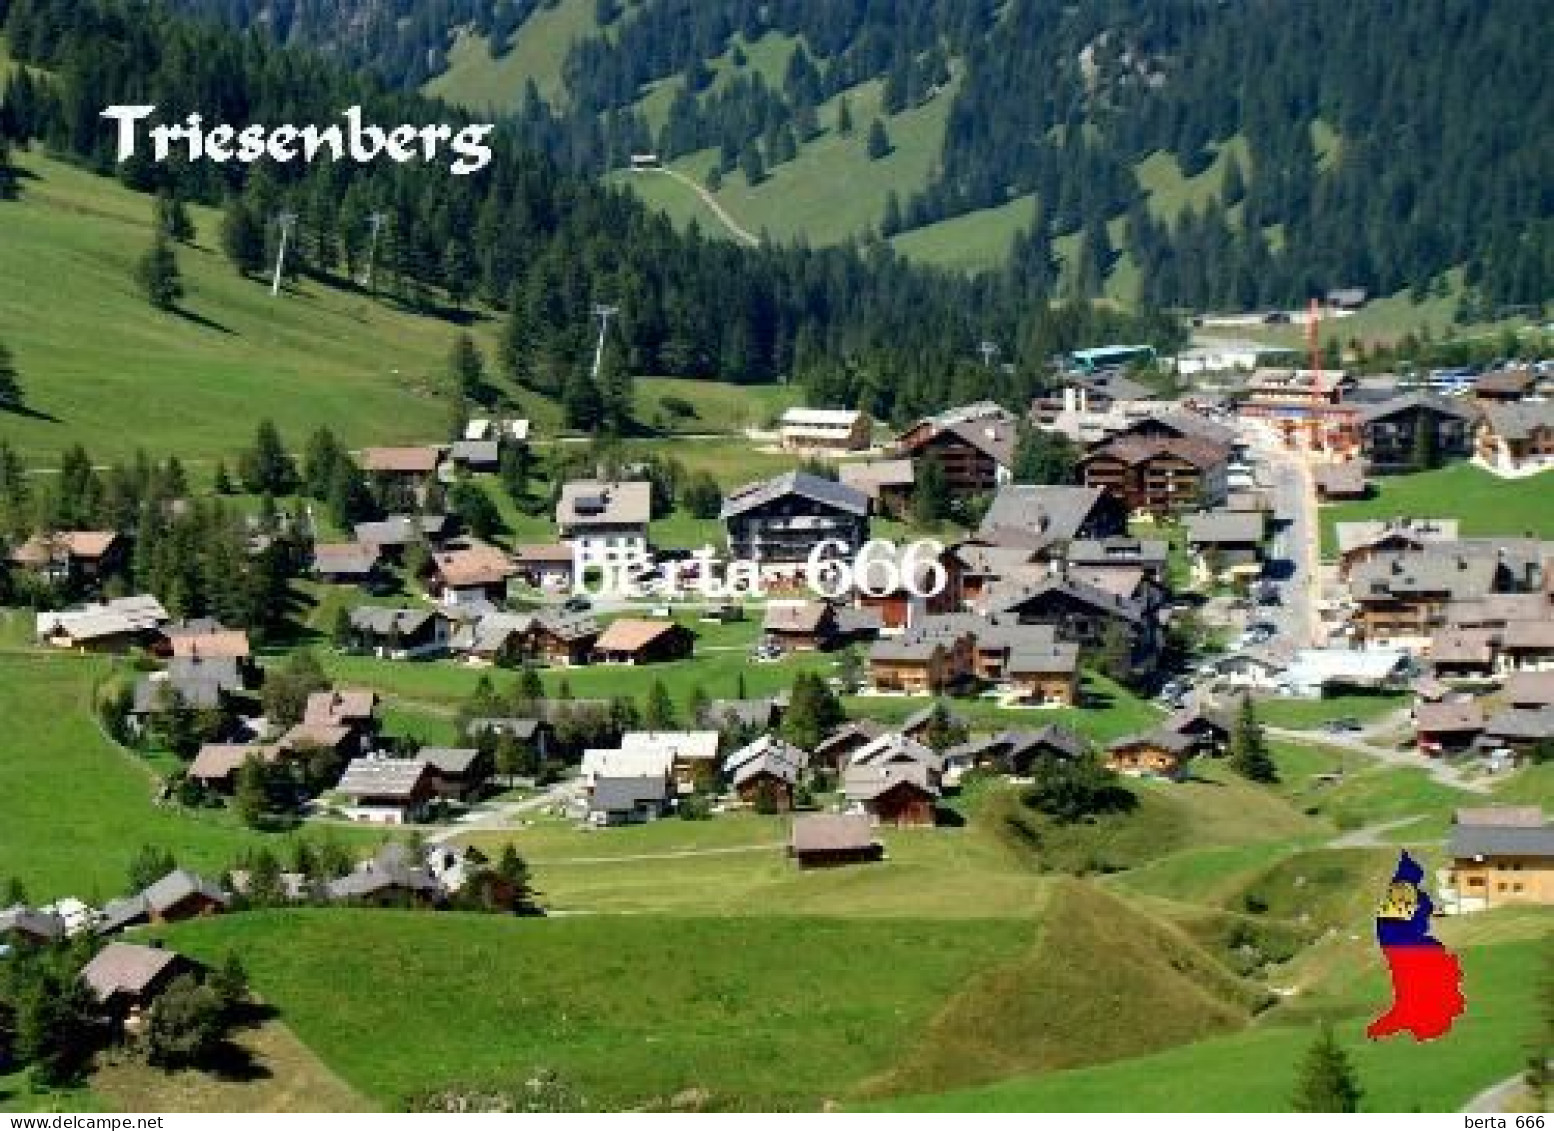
{"x": 736, "y": 229}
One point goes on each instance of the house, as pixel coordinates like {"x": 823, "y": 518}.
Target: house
{"x": 354, "y": 709}
{"x": 824, "y": 429}
{"x": 1043, "y": 671}
{"x": 21, "y": 926}
{"x": 1516, "y": 437}
{"x": 630, "y": 640}
{"x": 1401, "y": 599}
{"x": 767, "y": 767}
{"x": 780, "y": 522}
{"x": 605, "y": 522}
{"x": 1158, "y": 753}
{"x": 1527, "y": 644}
{"x": 887, "y": 482}
{"x": 399, "y": 634}
{"x": 197, "y": 642}
{"x": 938, "y": 654}
{"x": 1502, "y": 386}
{"x": 1225, "y": 545}
{"x": 1363, "y": 540}
{"x": 901, "y": 794}
{"x": 562, "y": 639}
{"x": 126, "y": 978}
{"x": 1462, "y": 653}
{"x": 1210, "y": 730}
{"x": 1340, "y": 482}
{"x": 1520, "y": 730}
{"x": 1346, "y": 298}
{"x": 1160, "y": 474}
{"x": 459, "y": 773}
{"x": 829, "y": 840}
{"x": 217, "y": 763}
{"x": 1016, "y": 751}
{"x": 1083, "y": 614}
{"x": 1500, "y": 855}
{"x": 160, "y": 693}
{"x": 545, "y": 566}
{"x": 687, "y": 755}
{"x": 392, "y": 535}
{"x": 837, "y": 748}
{"x": 973, "y": 445}
{"x": 495, "y": 638}
{"x": 1448, "y": 727}
{"x": 800, "y": 626}
{"x": 1526, "y": 690}
{"x": 896, "y": 748}
{"x": 390, "y": 791}
{"x": 535, "y": 735}
{"x": 900, "y": 585}
{"x": 71, "y": 557}
{"x": 112, "y": 626}
{"x": 414, "y": 467}
{"x": 1148, "y": 555}
{"x": 1035, "y": 517}
{"x": 1390, "y": 432}
{"x": 392, "y": 877}
{"x": 182, "y": 895}
{"x": 628, "y": 800}
{"x": 346, "y": 563}
{"x": 474, "y": 455}
{"x": 1315, "y": 672}
{"x": 470, "y": 575}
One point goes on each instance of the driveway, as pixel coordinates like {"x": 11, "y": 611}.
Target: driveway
{"x": 502, "y": 814}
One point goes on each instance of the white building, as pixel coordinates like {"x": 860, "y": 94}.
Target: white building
{"x": 825, "y": 429}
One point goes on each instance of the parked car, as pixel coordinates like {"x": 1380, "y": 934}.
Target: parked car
{"x": 1342, "y": 726}
{"x": 576, "y": 605}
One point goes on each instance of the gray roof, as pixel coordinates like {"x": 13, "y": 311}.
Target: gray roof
{"x": 1533, "y": 689}
{"x": 869, "y": 477}
{"x": 1525, "y": 724}
{"x": 1118, "y": 550}
{"x": 591, "y": 502}
{"x": 126, "y": 968}
{"x": 1170, "y": 740}
{"x": 1059, "y": 656}
{"x": 401, "y": 530}
{"x": 1468, "y": 841}
{"x": 1015, "y": 746}
{"x": 221, "y": 670}
{"x": 866, "y": 782}
{"x": 1518, "y": 420}
{"x": 449, "y": 759}
{"x": 1364, "y": 533}
{"x": 121, "y": 913}
{"x": 816, "y": 488}
{"x": 1461, "y": 577}
{"x": 1224, "y": 528}
{"x": 177, "y": 886}
{"x": 350, "y": 558}
{"x": 23, "y": 921}
{"x": 381, "y": 777}
{"x": 1103, "y": 600}
{"x": 475, "y": 451}
{"x": 381, "y": 621}
{"x": 1444, "y": 406}
{"x": 831, "y": 832}
{"x": 568, "y": 626}
{"x": 1040, "y": 513}
{"x": 765, "y": 752}
{"x": 153, "y": 696}
{"x": 620, "y": 795}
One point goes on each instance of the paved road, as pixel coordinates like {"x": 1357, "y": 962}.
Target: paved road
{"x": 498, "y": 816}
{"x": 1298, "y": 543}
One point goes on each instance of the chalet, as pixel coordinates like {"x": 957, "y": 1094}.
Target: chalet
{"x": 392, "y": 877}
{"x": 887, "y": 482}
{"x": 390, "y": 791}
{"x": 627, "y": 800}
{"x": 211, "y": 689}
{"x": 71, "y": 557}
{"x": 937, "y": 655}
{"x": 829, "y": 840}
{"x": 217, "y": 763}
{"x": 1448, "y": 727}
{"x": 1521, "y": 730}
{"x": 1050, "y": 515}
{"x": 347, "y": 563}
{"x": 824, "y": 429}
{"x": 901, "y": 794}
{"x": 800, "y": 626}
{"x": 1402, "y": 598}
{"x": 1363, "y": 540}
{"x": 1527, "y": 644}
{"x": 896, "y": 748}
{"x": 781, "y": 521}
{"x": 1083, "y": 614}
{"x": 1160, "y": 474}
{"x": 766, "y": 767}
{"x": 546, "y": 566}
{"x": 562, "y": 639}
{"x": 1529, "y": 690}
{"x": 399, "y": 634}
{"x": 125, "y": 978}
{"x": 1209, "y": 729}
{"x": 980, "y": 566}
{"x": 1149, "y": 555}
{"x": 605, "y": 522}
{"x": 493, "y": 638}
{"x": 354, "y": 709}
{"x": 392, "y": 535}
{"x": 1158, "y": 753}
{"x": 196, "y": 642}
{"x": 633, "y": 641}
{"x": 470, "y": 575}
{"x": 1500, "y": 855}
{"x": 1462, "y": 653}
{"x": 1340, "y": 482}
{"x": 113, "y": 626}
{"x": 1390, "y": 431}
{"x": 1016, "y": 751}
{"x": 474, "y": 456}
{"x": 1516, "y": 437}
{"x": 181, "y": 895}
{"x": 838, "y": 747}
{"x": 1502, "y": 386}
{"x": 413, "y": 467}
{"x": 924, "y": 586}
{"x": 21, "y": 926}
{"x": 1043, "y": 672}
{"x": 973, "y": 445}
{"x": 1163, "y": 424}
{"x": 459, "y": 773}
{"x": 1305, "y": 408}
{"x": 686, "y": 755}
{"x": 1225, "y": 545}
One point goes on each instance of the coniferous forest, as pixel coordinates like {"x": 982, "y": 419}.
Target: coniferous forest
{"x": 1437, "y": 106}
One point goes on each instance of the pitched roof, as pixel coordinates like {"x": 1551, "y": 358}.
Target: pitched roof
{"x": 450, "y": 759}
{"x": 1119, "y": 549}
{"x": 831, "y": 832}
{"x": 177, "y": 886}
{"x": 873, "y": 475}
{"x": 1022, "y": 514}
{"x": 829, "y": 418}
{"x": 1340, "y": 478}
{"x": 1388, "y": 576}
{"x": 1449, "y": 717}
{"x": 1006, "y": 599}
{"x": 892, "y": 748}
{"x": 382, "y": 621}
{"x": 630, "y": 634}
{"x": 1513, "y": 381}
{"x": 382, "y": 777}
{"x": 1056, "y": 658}
{"x": 815, "y": 488}
{"x": 1522, "y": 724}
{"x": 867, "y": 782}
{"x": 621, "y": 794}
{"x": 227, "y": 642}
{"x": 680, "y": 745}
{"x": 348, "y": 558}
{"x": 1443, "y": 406}
{"x": 1469, "y": 841}
{"x": 1171, "y": 740}
{"x": 401, "y": 530}
{"x": 1530, "y": 689}
{"x": 1196, "y": 450}
{"x": 218, "y": 761}
{"x": 1462, "y": 646}
{"x": 797, "y": 616}
{"x": 41, "y": 550}
{"x": 126, "y": 968}
{"x": 563, "y": 625}
{"x": 854, "y": 730}
{"x": 1519, "y": 419}
{"x": 342, "y": 705}
{"x": 423, "y": 459}
{"x": 765, "y": 750}
{"x": 478, "y": 564}
{"x": 1501, "y": 816}
{"x": 1217, "y": 528}
{"x": 22, "y": 920}
{"x": 475, "y": 451}
{"x": 544, "y": 553}
{"x": 592, "y": 502}
{"x": 1528, "y": 634}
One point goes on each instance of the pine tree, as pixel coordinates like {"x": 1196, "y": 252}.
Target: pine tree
{"x": 242, "y": 236}
{"x": 844, "y": 117}
{"x": 172, "y": 218}
{"x": 467, "y": 368}
{"x": 157, "y": 274}
{"x": 659, "y": 713}
{"x": 251, "y": 796}
{"x": 878, "y": 144}
{"x": 1249, "y": 754}
{"x": 931, "y": 499}
{"x": 1327, "y": 1081}
{"x": 751, "y": 165}
{"x": 8, "y": 178}
{"x": 10, "y": 381}
{"x": 221, "y": 481}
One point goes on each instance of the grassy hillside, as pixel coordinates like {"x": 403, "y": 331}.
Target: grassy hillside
{"x": 1483, "y": 504}
{"x": 770, "y": 1013}
{"x": 538, "y": 49}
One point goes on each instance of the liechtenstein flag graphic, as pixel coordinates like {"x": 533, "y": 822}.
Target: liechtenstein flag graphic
{"x": 1426, "y": 977}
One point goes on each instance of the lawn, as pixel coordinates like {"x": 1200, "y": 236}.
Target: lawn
{"x": 1309, "y": 714}
{"x": 107, "y": 371}
{"x": 1255, "y": 1070}
{"x": 1483, "y": 504}
{"x": 769, "y": 1013}
{"x": 719, "y": 406}
{"x": 973, "y": 242}
{"x": 73, "y": 807}
{"x": 1170, "y": 190}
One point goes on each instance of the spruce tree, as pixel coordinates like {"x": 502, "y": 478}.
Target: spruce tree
{"x": 844, "y": 117}
{"x": 1249, "y": 754}
{"x": 878, "y": 144}
{"x": 1327, "y": 1080}
{"x": 242, "y": 237}
{"x": 467, "y": 369}
{"x": 931, "y": 499}
{"x": 659, "y": 713}
{"x": 157, "y": 274}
